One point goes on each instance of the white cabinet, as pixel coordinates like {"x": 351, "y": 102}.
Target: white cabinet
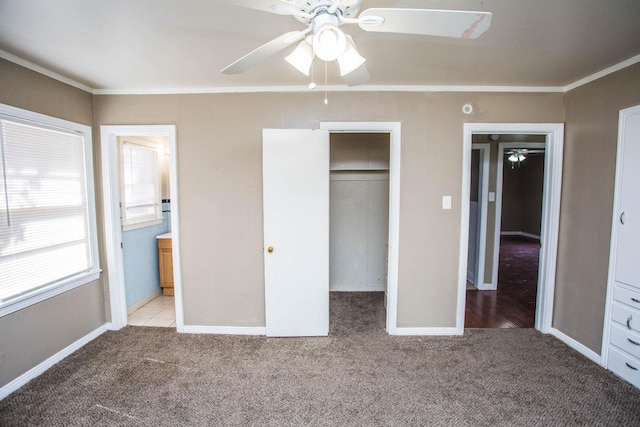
{"x": 622, "y": 346}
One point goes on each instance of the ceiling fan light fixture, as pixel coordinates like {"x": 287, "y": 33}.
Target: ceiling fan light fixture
{"x": 516, "y": 157}
{"x": 329, "y": 42}
{"x": 350, "y": 59}
{"x": 301, "y": 58}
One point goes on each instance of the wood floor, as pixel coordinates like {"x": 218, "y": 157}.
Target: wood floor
{"x": 513, "y": 305}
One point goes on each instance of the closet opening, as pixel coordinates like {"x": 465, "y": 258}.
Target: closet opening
{"x": 359, "y": 232}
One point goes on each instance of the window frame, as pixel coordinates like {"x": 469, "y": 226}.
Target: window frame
{"x": 50, "y": 290}
{"x": 157, "y": 219}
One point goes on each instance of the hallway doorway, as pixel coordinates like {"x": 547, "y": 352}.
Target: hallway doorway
{"x": 551, "y": 136}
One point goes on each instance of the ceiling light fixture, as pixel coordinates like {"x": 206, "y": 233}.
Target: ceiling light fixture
{"x": 302, "y": 57}
{"x": 516, "y": 157}
{"x": 329, "y": 42}
{"x": 350, "y": 58}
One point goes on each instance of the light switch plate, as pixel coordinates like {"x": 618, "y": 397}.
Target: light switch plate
{"x": 492, "y": 196}
{"x": 446, "y": 202}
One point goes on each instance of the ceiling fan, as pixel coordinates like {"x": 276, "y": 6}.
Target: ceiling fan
{"x": 517, "y": 155}
{"x": 324, "y": 39}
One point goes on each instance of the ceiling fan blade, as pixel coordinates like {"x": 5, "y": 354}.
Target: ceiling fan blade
{"x": 358, "y": 76}
{"x": 266, "y": 50}
{"x": 428, "y": 22}
{"x": 280, "y": 7}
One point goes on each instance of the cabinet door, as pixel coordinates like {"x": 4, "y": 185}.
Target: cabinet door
{"x": 165, "y": 259}
{"x": 628, "y": 209}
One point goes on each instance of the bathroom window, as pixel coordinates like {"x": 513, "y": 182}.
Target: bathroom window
{"x": 140, "y": 183}
{"x": 48, "y": 240}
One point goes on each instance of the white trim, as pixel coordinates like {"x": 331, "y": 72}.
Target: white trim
{"x": 393, "y": 128}
{"x": 40, "y": 368}
{"x": 580, "y": 348}
{"x": 56, "y": 288}
{"x": 595, "y": 76}
{"x": 485, "y": 287}
{"x": 50, "y": 291}
{"x": 358, "y": 287}
{"x": 404, "y": 331}
{"x": 44, "y": 71}
{"x": 225, "y": 330}
{"x": 112, "y": 226}
{"x": 362, "y": 88}
{"x": 483, "y": 196}
{"x": 330, "y": 88}
{"x": 613, "y": 247}
{"x": 521, "y": 234}
{"x": 550, "y": 212}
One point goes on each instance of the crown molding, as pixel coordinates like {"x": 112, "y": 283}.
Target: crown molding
{"x": 330, "y": 88}
{"x": 44, "y": 71}
{"x": 302, "y": 89}
{"x": 595, "y": 76}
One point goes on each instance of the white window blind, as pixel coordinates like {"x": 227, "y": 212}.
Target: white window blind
{"x": 140, "y": 183}
{"x": 46, "y": 230}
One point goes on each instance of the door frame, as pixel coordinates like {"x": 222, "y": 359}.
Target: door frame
{"x": 483, "y": 195}
{"x": 112, "y": 228}
{"x": 498, "y": 218}
{"x": 554, "y": 133}
{"x": 393, "y": 129}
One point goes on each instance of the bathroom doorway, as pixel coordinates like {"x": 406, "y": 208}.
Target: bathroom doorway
{"x": 140, "y": 201}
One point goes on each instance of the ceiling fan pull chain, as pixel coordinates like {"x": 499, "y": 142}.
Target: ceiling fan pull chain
{"x": 326, "y": 91}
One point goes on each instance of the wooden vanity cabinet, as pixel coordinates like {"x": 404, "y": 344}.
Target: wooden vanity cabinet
{"x": 165, "y": 261}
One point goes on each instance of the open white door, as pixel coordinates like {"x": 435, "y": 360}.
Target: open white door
{"x": 295, "y": 172}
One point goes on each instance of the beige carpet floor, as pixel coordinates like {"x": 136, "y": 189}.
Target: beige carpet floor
{"x": 358, "y": 376}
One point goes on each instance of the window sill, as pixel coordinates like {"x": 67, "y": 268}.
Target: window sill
{"x": 47, "y": 292}
{"x": 144, "y": 224}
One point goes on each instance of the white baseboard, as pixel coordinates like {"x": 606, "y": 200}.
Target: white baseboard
{"x": 42, "y": 367}
{"x": 143, "y": 301}
{"x": 224, "y": 330}
{"x": 374, "y": 287}
{"x": 426, "y": 331}
{"x": 521, "y": 234}
{"x": 487, "y": 287}
{"x": 580, "y": 348}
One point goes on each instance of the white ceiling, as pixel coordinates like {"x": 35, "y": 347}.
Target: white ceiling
{"x": 181, "y": 45}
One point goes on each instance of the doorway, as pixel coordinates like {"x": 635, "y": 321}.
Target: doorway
{"x": 552, "y": 135}
{"x": 359, "y": 231}
{"x": 478, "y": 193}
{"x": 391, "y": 130}
{"x": 121, "y": 297}
{"x": 282, "y": 311}
{"x": 509, "y": 299}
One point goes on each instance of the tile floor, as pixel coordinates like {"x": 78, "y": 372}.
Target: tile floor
{"x": 158, "y": 312}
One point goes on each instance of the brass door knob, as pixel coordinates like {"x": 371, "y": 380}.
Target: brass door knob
{"x": 270, "y": 249}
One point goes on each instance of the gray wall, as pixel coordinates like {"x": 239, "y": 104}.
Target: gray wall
{"x": 591, "y": 134}
{"x": 32, "y": 335}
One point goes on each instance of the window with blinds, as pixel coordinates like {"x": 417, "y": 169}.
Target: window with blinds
{"x": 47, "y": 220}
{"x": 140, "y": 180}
